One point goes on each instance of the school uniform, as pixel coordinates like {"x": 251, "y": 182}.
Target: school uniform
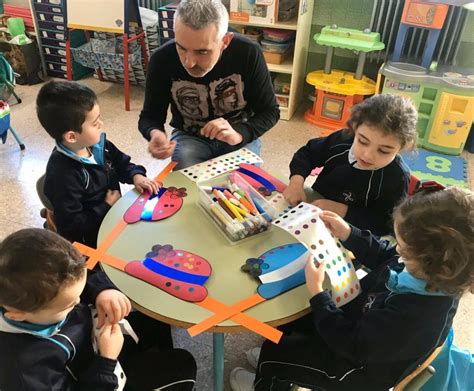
{"x": 76, "y": 187}
{"x": 371, "y": 342}
{"x": 370, "y": 194}
{"x": 62, "y": 356}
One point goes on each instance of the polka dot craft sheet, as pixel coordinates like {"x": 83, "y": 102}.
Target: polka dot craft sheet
{"x": 304, "y": 224}
{"x": 220, "y": 165}
{"x": 279, "y": 203}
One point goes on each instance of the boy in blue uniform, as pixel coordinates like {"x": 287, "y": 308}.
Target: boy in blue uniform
{"x": 364, "y": 176}
{"x": 46, "y": 326}
{"x": 85, "y": 170}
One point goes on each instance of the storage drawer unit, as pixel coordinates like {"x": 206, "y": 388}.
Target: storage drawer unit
{"x": 51, "y": 20}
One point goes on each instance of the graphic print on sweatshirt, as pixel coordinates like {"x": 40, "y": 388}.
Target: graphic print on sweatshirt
{"x": 198, "y": 103}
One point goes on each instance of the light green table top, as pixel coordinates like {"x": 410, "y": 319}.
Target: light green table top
{"x": 191, "y": 230}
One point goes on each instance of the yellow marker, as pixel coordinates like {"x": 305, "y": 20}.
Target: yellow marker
{"x": 241, "y": 211}
{"x": 231, "y": 206}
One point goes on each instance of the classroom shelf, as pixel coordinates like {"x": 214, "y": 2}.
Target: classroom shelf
{"x": 296, "y": 65}
{"x": 290, "y": 25}
{"x": 285, "y": 67}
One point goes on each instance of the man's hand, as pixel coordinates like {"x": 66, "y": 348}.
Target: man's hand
{"x": 333, "y": 206}
{"x": 221, "y": 130}
{"x": 112, "y": 196}
{"x": 159, "y": 146}
{"x": 314, "y": 276}
{"x": 294, "y": 193}
{"x": 110, "y": 341}
{"x": 336, "y": 224}
{"x": 143, "y": 183}
{"x": 113, "y": 305}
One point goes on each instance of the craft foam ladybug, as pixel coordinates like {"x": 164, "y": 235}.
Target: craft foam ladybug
{"x": 177, "y": 272}
{"x": 152, "y": 207}
{"x": 279, "y": 269}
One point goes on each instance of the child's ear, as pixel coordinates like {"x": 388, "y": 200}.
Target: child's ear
{"x": 70, "y": 136}
{"x": 13, "y": 314}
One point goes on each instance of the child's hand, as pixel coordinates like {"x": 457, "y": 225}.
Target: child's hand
{"x": 143, "y": 183}
{"x": 336, "y": 224}
{"x": 336, "y": 207}
{"x": 314, "y": 276}
{"x": 294, "y": 193}
{"x": 113, "y": 305}
{"x": 112, "y": 197}
{"x": 110, "y": 341}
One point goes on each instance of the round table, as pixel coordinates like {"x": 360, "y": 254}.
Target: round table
{"x": 190, "y": 229}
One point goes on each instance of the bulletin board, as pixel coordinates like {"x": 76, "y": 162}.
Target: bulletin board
{"x": 105, "y": 15}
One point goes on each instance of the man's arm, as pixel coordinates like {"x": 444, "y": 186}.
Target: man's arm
{"x": 260, "y": 99}
{"x": 157, "y": 96}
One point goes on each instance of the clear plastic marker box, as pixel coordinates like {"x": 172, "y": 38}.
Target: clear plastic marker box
{"x": 238, "y": 220}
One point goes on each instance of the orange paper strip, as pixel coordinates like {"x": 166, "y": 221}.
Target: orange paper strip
{"x": 164, "y": 173}
{"x": 102, "y": 257}
{"x": 225, "y": 314}
{"x": 94, "y": 254}
{"x": 250, "y": 323}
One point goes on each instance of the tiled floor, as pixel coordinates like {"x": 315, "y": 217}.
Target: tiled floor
{"x": 19, "y": 204}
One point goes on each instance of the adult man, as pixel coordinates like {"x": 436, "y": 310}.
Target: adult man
{"x": 218, "y": 86}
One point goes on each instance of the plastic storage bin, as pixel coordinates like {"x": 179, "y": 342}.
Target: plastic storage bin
{"x": 281, "y": 36}
{"x": 276, "y": 47}
{"x": 235, "y": 230}
{"x": 103, "y": 53}
{"x": 282, "y": 100}
{"x": 252, "y": 33}
{"x": 282, "y": 83}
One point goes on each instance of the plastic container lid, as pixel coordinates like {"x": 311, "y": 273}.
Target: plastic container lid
{"x": 276, "y": 47}
{"x": 278, "y": 35}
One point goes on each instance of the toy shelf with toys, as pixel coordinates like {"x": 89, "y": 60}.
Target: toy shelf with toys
{"x": 288, "y": 26}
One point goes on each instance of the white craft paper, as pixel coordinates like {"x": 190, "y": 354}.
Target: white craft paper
{"x": 279, "y": 203}
{"x": 304, "y": 224}
{"x": 220, "y": 165}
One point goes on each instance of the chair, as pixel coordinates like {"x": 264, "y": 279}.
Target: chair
{"x": 47, "y": 212}
{"x": 411, "y": 382}
{"x": 413, "y": 185}
{"x": 5, "y": 125}
{"x": 422, "y": 373}
{"x": 7, "y": 80}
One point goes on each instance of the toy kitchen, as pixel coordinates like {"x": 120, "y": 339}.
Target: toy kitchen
{"x": 444, "y": 98}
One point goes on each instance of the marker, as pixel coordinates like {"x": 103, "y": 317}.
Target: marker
{"x": 249, "y": 199}
{"x": 237, "y": 227}
{"x": 229, "y": 195}
{"x": 229, "y": 205}
{"x": 246, "y": 203}
{"x": 261, "y": 210}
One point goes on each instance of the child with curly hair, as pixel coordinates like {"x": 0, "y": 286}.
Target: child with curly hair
{"x": 404, "y": 312}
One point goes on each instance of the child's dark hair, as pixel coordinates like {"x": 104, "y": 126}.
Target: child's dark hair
{"x": 62, "y": 106}
{"x": 34, "y": 265}
{"x": 438, "y": 230}
{"x": 393, "y": 114}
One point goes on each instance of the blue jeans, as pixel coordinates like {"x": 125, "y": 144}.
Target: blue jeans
{"x": 191, "y": 150}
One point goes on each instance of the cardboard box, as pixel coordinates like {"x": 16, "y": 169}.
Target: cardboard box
{"x": 256, "y": 11}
